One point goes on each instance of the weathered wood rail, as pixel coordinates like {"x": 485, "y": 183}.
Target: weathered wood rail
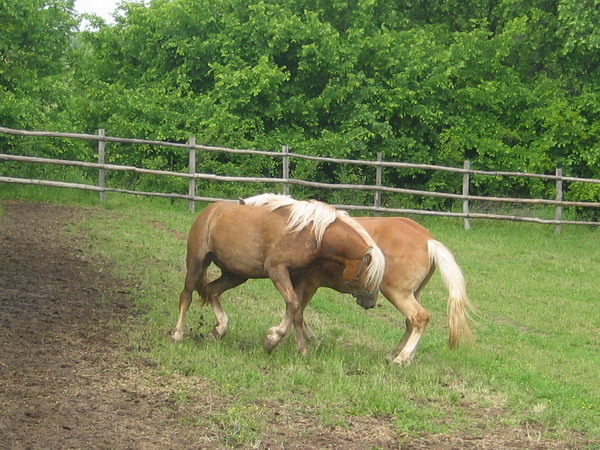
{"x": 192, "y": 175}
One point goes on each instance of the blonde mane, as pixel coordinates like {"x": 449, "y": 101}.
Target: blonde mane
{"x": 374, "y": 273}
{"x": 302, "y": 212}
{"x": 321, "y": 215}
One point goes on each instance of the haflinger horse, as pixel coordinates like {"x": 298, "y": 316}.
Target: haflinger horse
{"x": 411, "y": 257}
{"x": 281, "y": 241}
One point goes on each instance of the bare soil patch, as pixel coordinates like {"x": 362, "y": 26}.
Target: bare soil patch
{"x": 65, "y": 382}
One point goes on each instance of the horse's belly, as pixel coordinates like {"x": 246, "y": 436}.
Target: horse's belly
{"x": 241, "y": 262}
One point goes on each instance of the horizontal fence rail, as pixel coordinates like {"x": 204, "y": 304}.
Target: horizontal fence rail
{"x": 192, "y": 175}
{"x": 207, "y": 176}
{"x": 98, "y": 137}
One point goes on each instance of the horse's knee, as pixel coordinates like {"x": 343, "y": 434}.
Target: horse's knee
{"x": 420, "y": 320}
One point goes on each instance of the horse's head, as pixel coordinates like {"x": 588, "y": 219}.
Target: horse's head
{"x": 367, "y": 275}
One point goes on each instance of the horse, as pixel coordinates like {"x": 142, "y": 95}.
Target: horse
{"x": 411, "y": 257}
{"x": 280, "y": 241}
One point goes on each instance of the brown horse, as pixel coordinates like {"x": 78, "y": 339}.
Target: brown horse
{"x": 281, "y": 241}
{"x": 411, "y": 256}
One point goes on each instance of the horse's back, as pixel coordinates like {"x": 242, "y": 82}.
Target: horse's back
{"x": 236, "y": 222}
{"x": 399, "y": 232}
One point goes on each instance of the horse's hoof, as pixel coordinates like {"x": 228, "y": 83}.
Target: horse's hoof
{"x": 218, "y": 333}
{"x": 401, "y": 362}
{"x": 272, "y": 340}
{"x": 177, "y": 336}
{"x": 269, "y": 345}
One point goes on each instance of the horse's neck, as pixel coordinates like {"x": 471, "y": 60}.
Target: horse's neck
{"x": 341, "y": 240}
{"x": 329, "y": 273}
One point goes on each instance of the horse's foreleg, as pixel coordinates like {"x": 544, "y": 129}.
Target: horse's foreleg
{"x": 299, "y": 331}
{"x": 293, "y": 313}
{"x": 416, "y": 321}
{"x": 408, "y": 332}
{"x": 276, "y": 334}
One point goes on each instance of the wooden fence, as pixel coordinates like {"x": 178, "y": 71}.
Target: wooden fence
{"x": 192, "y": 175}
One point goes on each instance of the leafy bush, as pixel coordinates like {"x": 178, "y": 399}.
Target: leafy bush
{"x": 585, "y": 192}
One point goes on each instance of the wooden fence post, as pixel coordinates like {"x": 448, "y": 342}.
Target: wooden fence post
{"x": 378, "y": 170}
{"x": 192, "y": 171}
{"x": 559, "y": 197}
{"x": 465, "y": 192}
{"x": 286, "y": 169}
{"x": 102, "y": 160}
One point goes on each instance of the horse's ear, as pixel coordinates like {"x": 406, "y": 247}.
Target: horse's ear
{"x": 241, "y": 201}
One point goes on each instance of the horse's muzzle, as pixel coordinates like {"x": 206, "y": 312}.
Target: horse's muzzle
{"x": 366, "y": 301}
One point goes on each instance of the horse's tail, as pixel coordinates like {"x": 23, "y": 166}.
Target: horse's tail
{"x": 459, "y": 305}
{"x": 201, "y": 286}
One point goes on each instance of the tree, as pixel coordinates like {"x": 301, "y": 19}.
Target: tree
{"x": 33, "y": 44}
{"x": 508, "y": 85}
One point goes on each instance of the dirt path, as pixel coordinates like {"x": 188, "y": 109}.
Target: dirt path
{"x": 62, "y": 382}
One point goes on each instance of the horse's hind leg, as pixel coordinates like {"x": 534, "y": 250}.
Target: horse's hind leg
{"x": 213, "y": 292}
{"x": 196, "y": 271}
{"x": 417, "y": 319}
{"x": 305, "y": 293}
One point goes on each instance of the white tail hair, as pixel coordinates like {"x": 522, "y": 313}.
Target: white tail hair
{"x": 459, "y": 304}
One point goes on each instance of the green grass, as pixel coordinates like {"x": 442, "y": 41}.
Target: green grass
{"x": 535, "y": 361}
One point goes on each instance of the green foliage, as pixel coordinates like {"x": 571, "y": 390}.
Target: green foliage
{"x": 508, "y": 85}
{"x": 33, "y": 43}
{"x": 585, "y": 192}
{"x": 36, "y": 80}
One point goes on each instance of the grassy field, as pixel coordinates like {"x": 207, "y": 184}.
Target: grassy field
{"x": 536, "y": 360}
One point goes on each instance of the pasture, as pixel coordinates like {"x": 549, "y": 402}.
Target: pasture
{"x": 530, "y": 380}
